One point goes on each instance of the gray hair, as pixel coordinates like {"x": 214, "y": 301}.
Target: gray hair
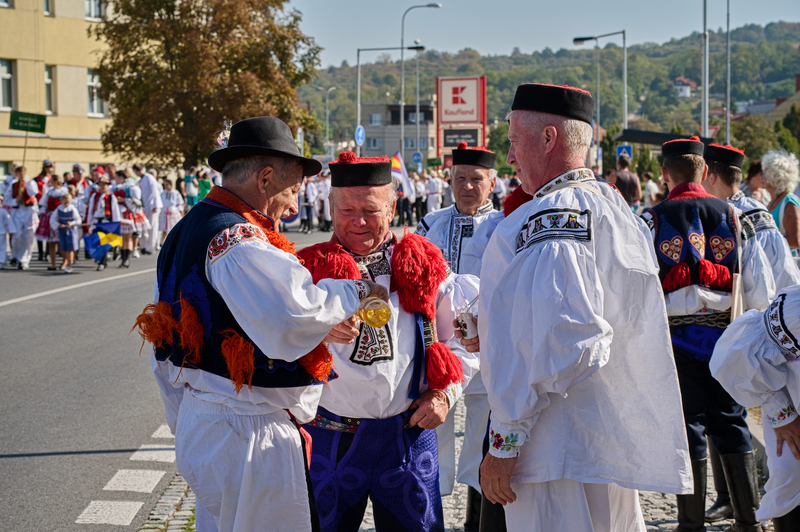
{"x": 492, "y": 172}
{"x": 780, "y": 170}
{"x": 577, "y": 133}
{"x": 239, "y": 170}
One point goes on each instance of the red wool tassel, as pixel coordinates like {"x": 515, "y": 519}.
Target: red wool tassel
{"x": 678, "y": 277}
{"x": 421, "y": 267}
{"x": 443, "y": 367}
{"x": 715, "y": 276}
{"x": 191, "y": 333}
{"x": 156, "y": 325}
{"x": 515, "y": 200}
{"x": 318, "y": 363}
{"x": 238, "y": 354}
{"x": 329, "y": 260}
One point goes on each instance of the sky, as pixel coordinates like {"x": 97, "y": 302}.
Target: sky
{"x": 495, "y": 27}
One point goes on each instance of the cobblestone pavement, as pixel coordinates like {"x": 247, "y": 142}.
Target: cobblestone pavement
{"x": 174, "y": 512}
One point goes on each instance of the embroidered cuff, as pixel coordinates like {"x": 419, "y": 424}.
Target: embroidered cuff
{"x": 453, "y": 392}
{"x": 362, "y": 288}
{"x": 504, "y": 443}
{"x": 782, "y": 416}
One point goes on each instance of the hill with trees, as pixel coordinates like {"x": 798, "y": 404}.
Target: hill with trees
{"x": 764, "y": 60}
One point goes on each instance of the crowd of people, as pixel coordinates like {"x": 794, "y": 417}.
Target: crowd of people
{"x": 50, "y": 213}
{"x": 620, "y": 327}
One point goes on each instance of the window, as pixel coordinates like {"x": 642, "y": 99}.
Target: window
{"x": 375, "y": 119}
{"x": 97, "y": 107}
{"x": 94, "y": 9}
{"x": 411, "y": 143}
{"x": 423, "y": 143}
{"x": 412, "y": 117}
{"x": 47, "y": 8}
{"x": 48, "y": 89}
{"x": 6, "y": 3}
{"x": 5, "y": 168}
{"x": 6, "y": 85}
{"x": 432, "y": 144}
{"x": 374, "y": 144}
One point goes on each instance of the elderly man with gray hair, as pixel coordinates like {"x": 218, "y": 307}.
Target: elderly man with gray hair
{"x": 238, "y": 328}
{"x": 575, "y": 352}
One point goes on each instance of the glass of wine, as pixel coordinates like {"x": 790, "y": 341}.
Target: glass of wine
{"x": 374, "y": 311}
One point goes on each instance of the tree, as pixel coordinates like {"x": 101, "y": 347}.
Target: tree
{"x": 610, "y": 148}
{"x": 785, "y": 138}
{"x": 498, "y": 143}
{"x": 755, "y": 135}
{"x": 173, "y": 71}
{"x": 792, "y": 121}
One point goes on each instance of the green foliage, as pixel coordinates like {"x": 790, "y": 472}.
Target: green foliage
{"x": 755, "y": 135}
{"x": 498, "y": 143}
{"x": 792, "y": 121}
{"x": 173, "y": 71}
{"x": 610, "y": 148}
{"x": 645, "y": 161}
{"x": 759, "y": 55}
{"x": 785, "y": 138}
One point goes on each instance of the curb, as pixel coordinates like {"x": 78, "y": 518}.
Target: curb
{"x": 174, "y": 510}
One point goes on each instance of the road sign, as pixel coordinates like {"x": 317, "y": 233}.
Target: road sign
{"x": 627, "y": 149}
{"x": 27, "y": 122}
{"x": 416, "y": 157}
{"x": 361, "y": 135}
{"x": 712, "y": 131}
{"x": 300, "y": 140}
{"x": 434, "y": 162}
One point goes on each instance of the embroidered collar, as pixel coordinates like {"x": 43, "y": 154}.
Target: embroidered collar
{"x": 579, "y": 174}
{"x": 736, "y": 197}
{"x": 376, "y": 263}
{"x": 485, "y": 209}
{"x": 222, "y": 197}
{"x": 689, "y": 190}
{"x": 777, "y": 329}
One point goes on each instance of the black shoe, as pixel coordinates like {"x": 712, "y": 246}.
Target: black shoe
{"x": 115, "y": 255}
{"x": 742, "y": 476}
{"x": 722, "y": 508}
{"x": 789, "y": 522}
{"x": 13, "y": 262}
{"x": 692, "y": 508}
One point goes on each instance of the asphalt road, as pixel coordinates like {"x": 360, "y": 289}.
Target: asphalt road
{"x": 76, "y": 398}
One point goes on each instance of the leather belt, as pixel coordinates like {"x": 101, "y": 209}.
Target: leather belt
{"x": 349, "y": 424}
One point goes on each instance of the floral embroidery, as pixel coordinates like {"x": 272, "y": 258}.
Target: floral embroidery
{"x": 721, "y": 247}
{"x": 780, "y": 333}
{"x": 698, "y": 241}
{"x": 233, "y": 236}
{"x": 363, "y": 289}
{"x": 549, "y": 224}
{"x": 504, "y": 442}
{"x": 776, "y": 418}
{"x": 581, "y": 174}
{"x": 672, "y": 248}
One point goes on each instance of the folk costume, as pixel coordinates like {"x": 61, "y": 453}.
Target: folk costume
{"x": 451, "y": 232}
{"x": 26, "y": 220}
{"x": 237, "y": 326}
{"x": 757, "y": 360}
{"x": 68, "y": 237}
{"x": 151, "y": 202}
{"x": 49, "y": 203}
{"x": 700, "y": 243}
{"x": 171, "y": 210}
{"x": 575, "y": 354}
{"x": 134, "y": 221}
{"x": 363, "y": 445}
{"x": 775, "y": 247}
{"x": 7, "y": 227}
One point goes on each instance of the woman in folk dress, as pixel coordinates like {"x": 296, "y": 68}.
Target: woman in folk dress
{"x": 49, "y": 203}
{"x": 134, "y": 223}
{"x": 171, "y": 212}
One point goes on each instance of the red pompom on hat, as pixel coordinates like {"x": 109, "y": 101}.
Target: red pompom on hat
{"x": 724, "y": 154}
{"x": 690, "y": 146}
{"x": 348, "y": 157}
{"x": 477, "y": 156}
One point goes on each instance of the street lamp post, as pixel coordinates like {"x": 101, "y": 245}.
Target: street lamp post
{"x": 416, "y": 119}
{"x": 403, "y": 73}
{"x": 581, "y": 40}
{"x": 418, "y": 48}
{"x": 327, "y": 117}
{"x": 704, "y": 118}
{"x": 728, "y": 82}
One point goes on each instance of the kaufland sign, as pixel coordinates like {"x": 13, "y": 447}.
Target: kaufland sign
{"x": 459, "y": 100}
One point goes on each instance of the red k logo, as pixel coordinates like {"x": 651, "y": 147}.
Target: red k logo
{"x": 457, "y": 99}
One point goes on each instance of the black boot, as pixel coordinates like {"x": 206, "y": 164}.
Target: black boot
{"x": 742, "y": 477}
{"x": 789, "y": 522}
{"x": 692, "y": 508}
{"x": 39, "y": 244}
{"x": 473, "y": 521}
{"x": 722, "y": 508}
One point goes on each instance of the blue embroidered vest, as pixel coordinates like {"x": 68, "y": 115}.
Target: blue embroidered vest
{"x": 182, "y": 273}
{"x": 691, "y": 226}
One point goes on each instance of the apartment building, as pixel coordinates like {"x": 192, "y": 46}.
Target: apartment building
{"x": 46, "y": 67}
{"x": 382, "y": 129}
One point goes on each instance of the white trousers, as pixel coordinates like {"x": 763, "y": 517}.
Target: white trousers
{"x": 783, "y": 486}
{"x": 434, "y": 202}
{"x": 567, "y": 505}
{"x": 469, "y": 461}
{"x": 247, "y": 472}
{"x": 22, "y": 244}
{"x": 151, "y": 235}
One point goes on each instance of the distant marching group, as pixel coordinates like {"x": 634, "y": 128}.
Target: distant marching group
{"x": 54, "y": 211}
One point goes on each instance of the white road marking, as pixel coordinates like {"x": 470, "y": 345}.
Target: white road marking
{"x": 158, "y": 452}
{"x": 119, "y": 513}
{"x": 140, "y": 480}
{"x": 163, "y": 432}
{"x": 72, "y": 287}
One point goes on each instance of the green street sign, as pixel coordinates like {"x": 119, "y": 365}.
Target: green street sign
{"x": 27, "y": 122}
{"x": 434, "y": 162}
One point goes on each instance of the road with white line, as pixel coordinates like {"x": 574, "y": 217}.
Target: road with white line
{"x": 83, "y": 445}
